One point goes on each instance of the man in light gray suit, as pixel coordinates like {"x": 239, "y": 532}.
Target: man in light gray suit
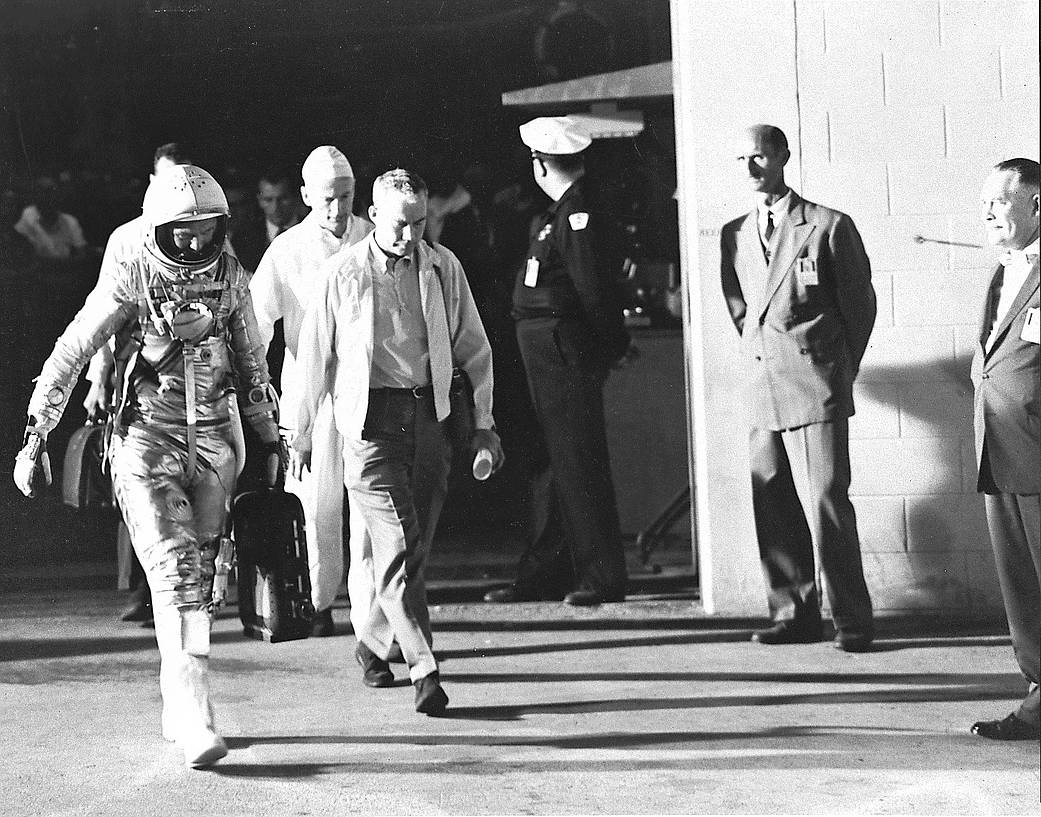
{"x": 1008, "y": 423}
{"x": 797, "y": 283}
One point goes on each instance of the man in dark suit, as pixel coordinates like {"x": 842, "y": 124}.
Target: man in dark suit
{"x": 1007, "y": 417}
{"x": 797, "y": 283}
{"x": 280, "y": 204}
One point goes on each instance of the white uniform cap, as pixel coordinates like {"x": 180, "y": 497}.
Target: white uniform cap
{"x": 324, "y": 163}
{"x": 555, "y": 135}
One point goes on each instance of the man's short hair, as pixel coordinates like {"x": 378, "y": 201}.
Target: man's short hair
{"x": 174, "y": 151}
{"x": 406, "y": 182}
{"x": 1027, "y": 171}
{"x": 280, "y": 175}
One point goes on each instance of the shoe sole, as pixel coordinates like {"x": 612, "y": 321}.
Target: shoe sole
{"x": 788, "y": 641}
{"x": 208, "y": 757}
{"x": 433, "y": 707}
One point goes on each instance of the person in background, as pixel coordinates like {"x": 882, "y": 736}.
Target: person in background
{"x": 286, "y": 280}
{"x": 57, "y": 237}
{"x": 797, "y": 283}
{"x": 570, "y": 333}
{"x": 280, "y": 208}
{"x": 392, "y": 318}
{"x": 1008, "y": 441}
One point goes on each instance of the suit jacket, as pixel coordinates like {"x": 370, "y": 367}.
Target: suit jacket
{"x": 804, "y": 318}
{"x": 1007, "y": 409}
{"x": 250, "y": 242}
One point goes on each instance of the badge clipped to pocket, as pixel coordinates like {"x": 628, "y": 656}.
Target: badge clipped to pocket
{"x": 1031, "y": 327}
{"x": 806, "y": 272}
{"x": 531, "y": 273}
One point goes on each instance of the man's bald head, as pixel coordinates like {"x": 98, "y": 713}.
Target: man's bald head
{"x": 763, "y": 152}
{"x": 770, "y": 135}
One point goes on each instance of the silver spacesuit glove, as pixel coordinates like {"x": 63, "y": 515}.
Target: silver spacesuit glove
{"x": 32, "y": 465}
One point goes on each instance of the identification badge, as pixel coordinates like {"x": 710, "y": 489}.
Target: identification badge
{"x": 806, "y": 272}
{"x": 578, "y": 221}
{"x": 1031, "y": 327}
{"x": 531, "y": 273}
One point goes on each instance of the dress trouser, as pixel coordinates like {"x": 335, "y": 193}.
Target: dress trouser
{"x": 176, "y": 520}
{"x": 573, "y": 501}
{"x": 800, "y": 497}
{"x": 397, "y": 479}
{"x": 1015, "y": 534}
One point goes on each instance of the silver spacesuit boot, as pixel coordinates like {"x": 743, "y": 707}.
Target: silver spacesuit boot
{"x": 186, "y": 338}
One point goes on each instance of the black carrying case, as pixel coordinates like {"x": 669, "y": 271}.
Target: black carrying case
{"x": 274, "y": 580}
{"x": 84, "y": 484}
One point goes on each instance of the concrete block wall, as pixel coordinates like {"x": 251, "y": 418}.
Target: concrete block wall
{"x": 895, "y": 111}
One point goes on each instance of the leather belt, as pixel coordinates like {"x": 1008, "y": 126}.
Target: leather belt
{"x": 419, "y": 392}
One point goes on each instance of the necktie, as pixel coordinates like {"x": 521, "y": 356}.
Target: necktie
{"x": 766, "y": 230}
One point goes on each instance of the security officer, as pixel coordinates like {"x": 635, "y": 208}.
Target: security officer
{"x": 570, "y": 332}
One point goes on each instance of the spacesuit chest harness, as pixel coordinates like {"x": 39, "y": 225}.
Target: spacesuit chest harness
{"x": 173, "y": 366}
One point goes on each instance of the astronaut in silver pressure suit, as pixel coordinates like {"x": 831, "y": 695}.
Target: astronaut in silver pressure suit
{"x": 186, "y": 339}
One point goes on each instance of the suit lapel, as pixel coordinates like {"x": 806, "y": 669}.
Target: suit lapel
{"x": 791, "y": 234}
{"x": 1025, "y": 291}
{"x": 988, "y": 308}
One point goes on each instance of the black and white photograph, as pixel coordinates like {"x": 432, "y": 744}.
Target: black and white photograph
{"x": 520, "y": 407}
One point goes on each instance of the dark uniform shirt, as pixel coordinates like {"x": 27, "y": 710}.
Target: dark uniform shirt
{"x": 568, "y": 272}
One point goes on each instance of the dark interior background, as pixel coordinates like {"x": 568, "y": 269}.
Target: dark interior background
{"x": 89, "y": 88}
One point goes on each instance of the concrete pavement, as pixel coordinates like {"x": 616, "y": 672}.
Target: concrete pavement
{"x": 636, "y": 708}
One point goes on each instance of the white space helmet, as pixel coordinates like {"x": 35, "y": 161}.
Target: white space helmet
{"x": 178, "y": 195}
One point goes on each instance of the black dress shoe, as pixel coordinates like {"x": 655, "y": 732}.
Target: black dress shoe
{"x": 376, "y": 671}
{"x": 322, "y": 626}
{"x": 790, "y": 632}
{"x": 431, "y": 699}
{"x": 1010, "y": 728}
{"x": 852, "y": 642}
{"x": 584, "y": 598}
{"x": 510, "y": 595}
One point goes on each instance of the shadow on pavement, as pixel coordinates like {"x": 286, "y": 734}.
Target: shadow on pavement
{"x": 1009, "y": 679}
{"x": 862, "y": 748}
{"x": 974, "y": 692}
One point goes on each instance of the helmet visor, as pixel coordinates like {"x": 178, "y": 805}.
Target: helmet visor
{"x": 192, "y": 241}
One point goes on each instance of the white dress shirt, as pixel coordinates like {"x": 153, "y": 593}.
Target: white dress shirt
{"x": 1018, "y": 264}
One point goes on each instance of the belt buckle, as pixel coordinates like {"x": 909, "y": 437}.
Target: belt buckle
{"x": 417, "y": 392}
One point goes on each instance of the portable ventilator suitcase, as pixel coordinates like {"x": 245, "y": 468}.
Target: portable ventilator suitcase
{"x": 84, "y": 484}
{"x": 274, "y": 582}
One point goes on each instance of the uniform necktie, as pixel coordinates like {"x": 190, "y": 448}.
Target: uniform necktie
{"x": 768, "y": 230}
